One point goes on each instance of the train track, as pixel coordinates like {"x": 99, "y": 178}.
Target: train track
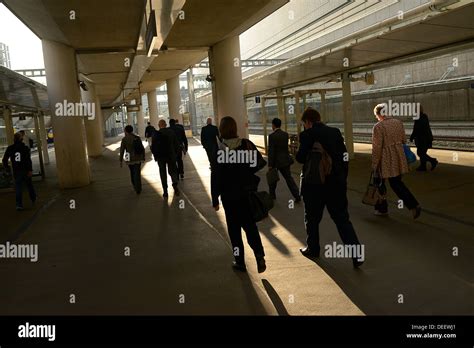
{"x": 446, "y": 142}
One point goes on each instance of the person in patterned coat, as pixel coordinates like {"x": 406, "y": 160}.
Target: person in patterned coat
{"x": 389, "y": 160}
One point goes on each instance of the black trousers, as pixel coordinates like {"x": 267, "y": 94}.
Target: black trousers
{"x": 163, "y": 163}
{"x": 135, "y": 176}
{"x": 333, "y": 196}
{"x": 290, "y": 182}
{"x": 21, "y": 179}
{"x": 422, "y": 153}
{"x": 238, "y": 216}
{"x": 401, "y": 191}
{"x": 179, "y": 162}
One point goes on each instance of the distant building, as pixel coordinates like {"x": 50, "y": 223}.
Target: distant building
{"x": 4, "y": 56}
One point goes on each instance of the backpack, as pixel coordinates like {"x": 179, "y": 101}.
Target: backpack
{"x": 318, "y": 165}
{"x": 138, "y": 148}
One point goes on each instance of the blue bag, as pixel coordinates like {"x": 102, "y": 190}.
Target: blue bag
{"x": 411, "y": 157}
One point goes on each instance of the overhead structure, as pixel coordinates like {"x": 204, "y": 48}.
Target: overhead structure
{"x": 124, "y": 48}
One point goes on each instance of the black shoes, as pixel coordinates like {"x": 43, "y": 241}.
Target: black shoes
{"x": 239, "y": 267}
{"x": 261, "y": 265}
{"x": 176, "y": 189}
{"x": 416, "y": 212}
{"x": 434, "y": 164}
{"x": 309, "y": 252}
{"x": 165, "y": 194}
{"x": 357, "y": 263}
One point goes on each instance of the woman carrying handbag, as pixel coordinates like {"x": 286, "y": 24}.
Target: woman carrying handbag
{"x": 389, "y": 159}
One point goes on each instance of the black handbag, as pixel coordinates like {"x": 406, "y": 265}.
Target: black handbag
{"x": 260, "y": 204}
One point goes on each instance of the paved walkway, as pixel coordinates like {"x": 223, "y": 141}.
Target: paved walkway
{"x": 180, "y": 254}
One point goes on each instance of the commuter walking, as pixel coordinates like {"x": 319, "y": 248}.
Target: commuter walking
{"x": 389, "y": 161}
{"x": 19, "y": 155}
{"x": 149, "y": 131}
{"x": 329, "y": 190}
{"x": 279, "y": 159}
{"x": 423, "y": 138}
{"x": 183, "y": 145}
{"x": 165, "y": 147}
{"x": 133, "y": 152}
{"x": 26, "y": 139}
{"x": 233, "y": 182}
{"x": 209, "y": 138}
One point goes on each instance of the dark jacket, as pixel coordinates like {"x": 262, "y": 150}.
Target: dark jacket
{"x": 149, "y": 130}
{"x": 332, "y": 141}
{"x": 127, "y": 145}
{"x": 278, "y": 154}
{"x": 181, "y": 136}
{"x": 422, "y": 132}
{"x": 209, "y": 135}
{"x": 233, "y": 181}
{"x": 20, "y": 156}
{"x": 164, "y": 144}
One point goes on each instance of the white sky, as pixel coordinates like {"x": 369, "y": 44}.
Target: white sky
{"x": 24, "y": 46}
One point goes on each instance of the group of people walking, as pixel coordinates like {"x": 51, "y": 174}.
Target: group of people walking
{"x": 168, "y": 146}
{"x": 323, "y": 180}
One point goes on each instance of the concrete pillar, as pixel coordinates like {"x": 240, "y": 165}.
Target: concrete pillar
{"x": 174, "y": 98}
{"x": 8, "y": 121}
{"x": 140, "y": 120}
{"x": 323, "y": 106}
{"x": 100, "y": 119}
{"x": 192, "y": 101}
{"x": 347, "y": 112}
{"x": 44, "y": 138}
{"x": 69, "y": 133}
{"x": 93, "y": 123}
{"x": 153, "y": 108}
{"x": 224, "y": 59}
{"x": 40, "y": 143}
{"x": 281, "y": 108}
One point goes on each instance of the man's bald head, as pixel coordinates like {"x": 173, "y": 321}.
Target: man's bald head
{"x": 162, "y": 124}
{"x": 209, "y": 120}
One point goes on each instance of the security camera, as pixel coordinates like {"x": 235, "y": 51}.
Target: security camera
{"x": 83, "y": 85}
{"x": 209, "y": 78}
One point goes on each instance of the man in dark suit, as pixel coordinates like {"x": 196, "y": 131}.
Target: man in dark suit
{"x": 279, "y": 159}
{"x": 209, "y": 135}
{"x": 333, "y": 193}
{"x": 20, "y": 156}
{"x": 183, "y": 145}
{"x": 165, "y": 147}
{"x": 423, "y": 140}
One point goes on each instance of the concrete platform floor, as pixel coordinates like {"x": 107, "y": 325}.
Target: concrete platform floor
{"x": 180, "y": 254}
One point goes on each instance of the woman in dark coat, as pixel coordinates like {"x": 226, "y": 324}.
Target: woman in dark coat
{"x": 233, "y": 182}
